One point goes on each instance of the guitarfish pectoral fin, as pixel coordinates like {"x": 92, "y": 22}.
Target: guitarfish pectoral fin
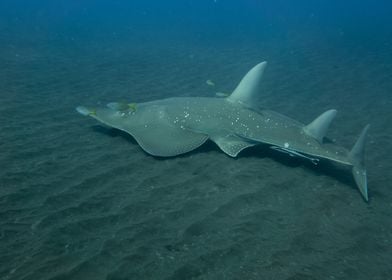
{"x": 156, "y": 135}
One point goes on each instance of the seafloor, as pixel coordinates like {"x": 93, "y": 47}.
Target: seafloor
{"x": 82, "y": 201}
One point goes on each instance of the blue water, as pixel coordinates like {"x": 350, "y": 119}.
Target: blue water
{"x": 79, "y": 200}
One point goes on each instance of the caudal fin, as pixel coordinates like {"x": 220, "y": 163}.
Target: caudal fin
{"x": 356, "y": 157}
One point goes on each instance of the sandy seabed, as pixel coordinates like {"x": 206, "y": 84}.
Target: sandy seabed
{"x": 82, "y": 201}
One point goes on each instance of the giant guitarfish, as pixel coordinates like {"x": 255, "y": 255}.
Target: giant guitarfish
{"x": 177, "y": 125}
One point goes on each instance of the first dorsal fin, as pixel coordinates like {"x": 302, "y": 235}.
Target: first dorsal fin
{"x": 249, "y": 87}
{"x": 318, "y": 128}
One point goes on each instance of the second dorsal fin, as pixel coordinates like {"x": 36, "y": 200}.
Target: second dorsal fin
{"x": 318, "y": 128}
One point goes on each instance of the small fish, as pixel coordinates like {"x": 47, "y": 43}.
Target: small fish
{"x": 132, "y": 107}
{"x": 222, "y": 94}
{"x": 118, "y": 106}
{"x": 210, "y": 83}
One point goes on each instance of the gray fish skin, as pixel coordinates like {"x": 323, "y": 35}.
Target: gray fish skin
{"x": 173, "y": 126}
{"x": 219, "y": 117}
